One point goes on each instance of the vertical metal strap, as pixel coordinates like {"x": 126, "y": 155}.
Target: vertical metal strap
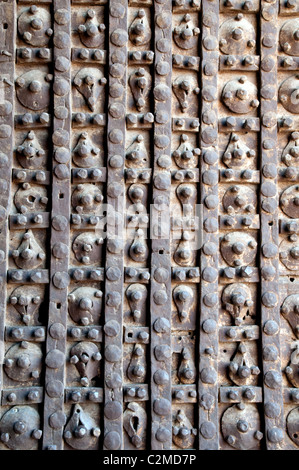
{"x": 60, "y": 232}
{"x": 116, "y": 132}
{"x": 7, "y": 60}
{"x": 160, "y": 296}
{"x": 208, "y": 342}
{"x": 269, "y": 261}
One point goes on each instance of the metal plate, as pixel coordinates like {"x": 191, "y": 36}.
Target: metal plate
{"x": 149, "y": 171}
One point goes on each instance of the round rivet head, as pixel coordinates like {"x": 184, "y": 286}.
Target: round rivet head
{"x": 55, "y": 359}
{"x": 249, "y": 394}
{"x": 210, "y": 300}
{"x": 112, "y": 353}
{"x": 269, "y": 120}
{"x": 111, "y": 328}
{"x": 119, "y": 37}
{"x": 272, "y": 410}
{"x": 11, "y": 397}
{"x": 210, "y": 69}
{"x": 160, "y": 297}
{"x": 61, "y": 280}
{"x": 113, "y": 410}
{"x": 268, "y": 189}
{"x": 5, "y": 131}
{"x": 208, "y": 375}
{"x": 275, "y": 435}
{"x": 161, "y": 117}
{"x": 210, "y": 157}
{"x": 210, "y": 177}
{"x": 112, "y": 440}
{"x": 61, "y": 112}
{"x": 116, "y": 136}
{"x": 209, "y": 135}
{"x": 62, "y": 64}
{"x": 57, "y": 331}
{"x": 268, "y": 12}
{"x": 113, "y": 273}
{"x": 268, "y": 144}
{"x": 267, "y": 92}
{"x": 208, "y": 430}
{"x": 60, "y": 138}
{"x": 163, "y": 45}
{"x": 116, "y": 110}
{"x": 161, "y": 325}
{"x": 209, "y": 326}
{"x": 113, "y": 381}
{"x": 270, "y": 353}
{"x": 269, "y": 299}
{"x": 162, "y": 68}
{"x": 210, "y": 43}
{"x": 60, "y": 250}
{"x": 2, "y": 213}
{"x": 271, "y": 327}
{"x": 62, "y": 172}
{"x": 209, "y": 93}
{"x": 162, "y": 352}
{"x": 209, "y": 274}
{"x": 3, "y": 160}
{"x": 62, "y": 16}
{"x": 57, "y": 420}
{"x": 163, "y": 434}
{"x": 114, "y": 246}
{"x": 113, "y": 299}
{"x": 161, "y": 377}
{"x": 116, "y": 71}
{"x": 117, "y": 10}
{"x": 209, "y": 248}
{"x": 161, "y": 275}
{"x": 270, "y": 170}
{"x": 211, "y": 201}
{"x": 162, "y": 92}
{"x": 114, "y": 190}
{"x": 163, "y": 20}
{"x": 162, "y": 407}
{"x": 207, "y": 401}
{"x": 161, "y": 141}
{"x": 54, "y": 388}
{"x": 59, "y": 223}
{"x": 210, "y": 225}
{"x": 273, "y": 379}
{"x": 116, "y": 161}
{"x": 118, "y": 57}
{"x": 5, "y": 108}
{"x": 162, "y": 181}
{"x": 116, "y": 90}
{"x": 267, "y": 64}
{"x": 62, "y": 155}
{"x": 60, "y": 86}
{"x": 269, "y": 250}
{"x": 269, "y": 205}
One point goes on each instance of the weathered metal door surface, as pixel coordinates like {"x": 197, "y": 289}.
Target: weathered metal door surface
{"x": 149, "y": 212}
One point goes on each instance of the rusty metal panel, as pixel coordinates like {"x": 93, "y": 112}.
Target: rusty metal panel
{"x": 149, "y": 220}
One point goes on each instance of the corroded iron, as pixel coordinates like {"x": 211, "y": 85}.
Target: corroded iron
{"x": 149, "y": 213}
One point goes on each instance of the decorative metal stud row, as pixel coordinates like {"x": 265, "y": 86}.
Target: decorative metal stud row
{"x": 149, "y": 224}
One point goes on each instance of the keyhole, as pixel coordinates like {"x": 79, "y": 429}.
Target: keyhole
{"x": 135, "y": 423}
